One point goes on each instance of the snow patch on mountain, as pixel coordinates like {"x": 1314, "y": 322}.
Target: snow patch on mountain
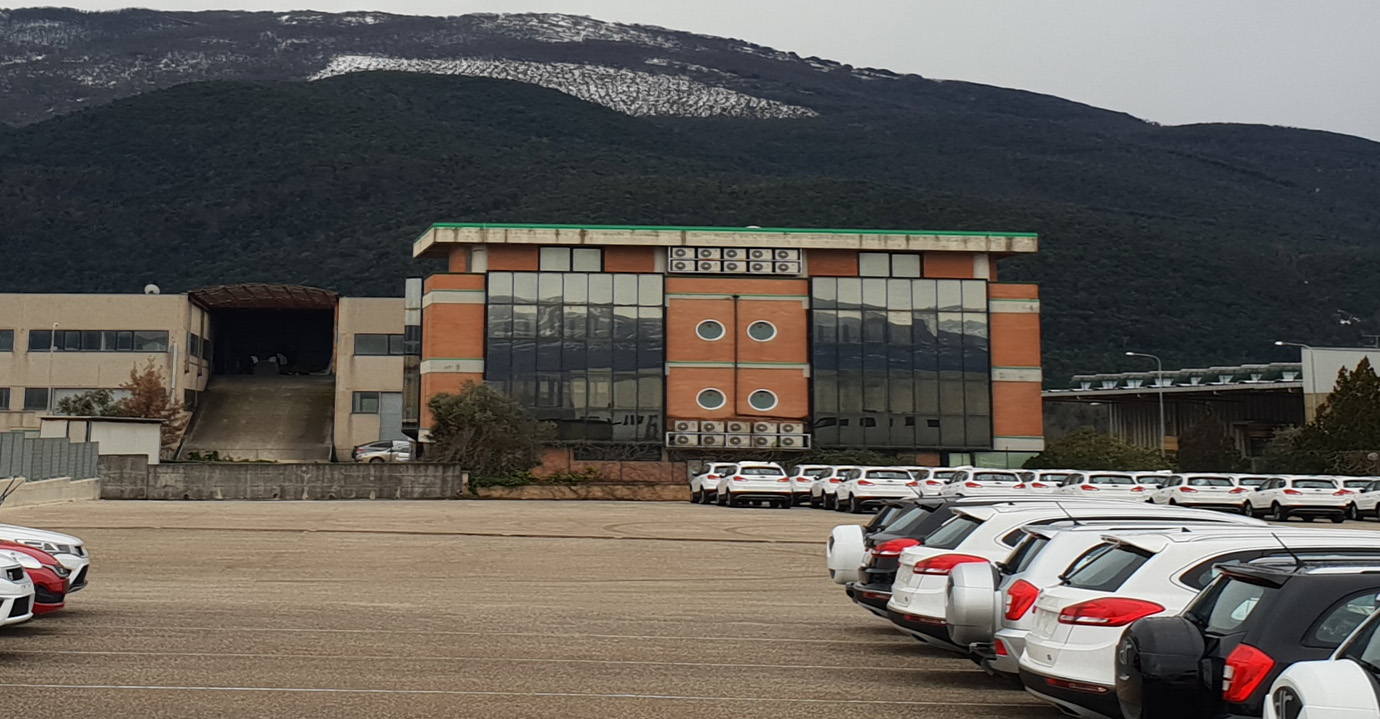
{"x": 556, "y": 28}
{"x": 641, "y": 94}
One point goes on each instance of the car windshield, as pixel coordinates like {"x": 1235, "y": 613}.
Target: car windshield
{"x": 1106, "y": 568}
{"x": 1253, "y": 481}
{"x": 995, "y": 477}
{"x": 1313, "y": 484}
{"x": 1356, "y": 483}
{"x": 820, "y": 473}
{"x": 946, "y": 476}
{"x": 953, "y": 532}
{"x": 1225, "y": 605}
{"x": 1209, "y": 482}
{"x": 761, "y": 472}
{"x": 1149, "y": 479}
{"x": 1053, "y": 477}
{"x": 888, "y": 474}
{"x": 1112, "y": 479}
{"x": 1024, "y": 554}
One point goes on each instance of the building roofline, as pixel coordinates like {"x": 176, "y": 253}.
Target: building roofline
{"x": 430, "y": 242}
{"x": 99, "y": 418}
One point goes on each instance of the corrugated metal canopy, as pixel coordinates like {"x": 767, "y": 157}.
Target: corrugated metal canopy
{"x": 256, "y": 296}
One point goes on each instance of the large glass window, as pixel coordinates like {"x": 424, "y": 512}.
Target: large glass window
{"x": 366, "y": 403}
{"x": 584, "y": 350}
{"x": 900, "y": 363}
{"x": 98, "y": 341}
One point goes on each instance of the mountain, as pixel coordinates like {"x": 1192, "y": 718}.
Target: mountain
{"x": 1202, "y": 243}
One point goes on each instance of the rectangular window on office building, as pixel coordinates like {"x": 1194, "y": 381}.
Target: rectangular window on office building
{"x": 4, "y": 398}
{"x": 366, "y": 403}
{"x": 6, "y": 340}
{"x": 889, "y": 264}
{"x": 585, "y": 351}
{"x": 36, "y": 399}
{"x": 901, "y": 363}
{"x": 378, "y": 344}
{"x": 571, "y": 259}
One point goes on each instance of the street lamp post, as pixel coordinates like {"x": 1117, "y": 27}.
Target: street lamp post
{"x": 1159, "y": 389}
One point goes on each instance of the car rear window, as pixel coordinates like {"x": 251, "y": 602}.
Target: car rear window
{"x": 1313, "y": 484}
{"x": 1111, "y": 479}
{"x": 953, "y": 532}
{"x": 887, "y": 474}
{"x": 1225, "y": 605}
{"x": 1107, "y": 567}
{"x": 1335, "y": 625}
{"x": 1209, "y": 482}
{"x": 995, "y": 477}
{"x": 1053, "y": 478}
{"x": 919, "y": 473}
{"x": 946, "y": 476}
{"x": 761, "y": 472}
{"x": 1024, "y": 554}
{"x": 897, "y": 517}
{"x": 1253, "y": 481}
{"x": 1356, "y": 483}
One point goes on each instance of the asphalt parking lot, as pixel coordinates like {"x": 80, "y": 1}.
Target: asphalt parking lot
{"x": 469, "y": 609}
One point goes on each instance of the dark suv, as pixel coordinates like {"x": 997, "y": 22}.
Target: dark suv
{"x": 1220, "y": 656}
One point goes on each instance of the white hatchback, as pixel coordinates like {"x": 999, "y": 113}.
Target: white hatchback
{"x": 1200, "y": 490}
{"x": 872, "y": 485}
{"x": 1046, "y": 481}
{"x": 1366, "y": 503}
{"x": 824, "y": 489}
{"x": 803, "y": 477}
{"x": 1105, "y": 485}
{"x": 757, "y": 482}
{"x": 1307, "y": 497}
{"x": 705, "y": 483}
{"x": 1070, "y": 652}
{"x": 981, "y": 482}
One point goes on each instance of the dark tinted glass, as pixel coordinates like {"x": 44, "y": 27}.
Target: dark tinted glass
{"x": 953, "y": 532}
{"x": 6, "y": 340}
{"x": 1109, "y": 569}
{"x": 1024, "y": 554}
{"x": 1225, "y": 605}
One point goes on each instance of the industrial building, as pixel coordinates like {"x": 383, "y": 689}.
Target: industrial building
{"x": 658, "y": 341}
{"x": 273, "y": 372}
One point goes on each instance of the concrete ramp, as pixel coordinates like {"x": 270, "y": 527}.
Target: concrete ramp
{"x": 275, "y": 418}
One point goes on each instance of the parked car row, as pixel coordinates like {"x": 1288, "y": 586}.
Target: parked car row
{"x": 856, "y": 489}
{"x": 38, "y": 570}
{"x": 1109, "y": 609}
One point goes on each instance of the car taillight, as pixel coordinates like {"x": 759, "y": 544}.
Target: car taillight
{"x": 740, "y": 479}
{"x": 1087, "y": 488}
{"x": 1108, "y": 612}
{"x": 1020, "y": 486}
{"x": 1341, "y": 492}
{"x": 1238, "y": 490}
{"x": 784, "y": 479}
{"x": 945, "y": 563}
{"x": 1000, "y": 648}
{"x": 1292, "y": 491}
{"x": 1188, "y": 490}
{"x": 1037, "y": 485}
{"x": 1020, "y": 598}
{"x": 894, "y": 547}
{"x": 1137, "y": 488}
{"x": 835, "y": 480}
{"x": 713, "y": 476}
{"x": 1246, "y": 668}
{"x": 912, "y": 483}
{"x": 974, "y": 485}
{"x": 864, "y": 483}
{"x": 934, "y": 483}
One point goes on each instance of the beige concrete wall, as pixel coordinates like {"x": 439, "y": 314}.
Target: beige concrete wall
{"x": 53, "y": 491}
{"x": 363, "y": 315}
{"x": 19, "y": 369}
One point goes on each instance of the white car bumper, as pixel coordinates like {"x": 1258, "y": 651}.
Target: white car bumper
{"x": 16, "y": 602}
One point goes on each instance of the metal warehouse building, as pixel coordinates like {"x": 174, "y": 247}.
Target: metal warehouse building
{"x": 691, "y": 339}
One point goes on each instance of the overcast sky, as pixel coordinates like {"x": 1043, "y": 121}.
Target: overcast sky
{"x": 1301, "y": 63}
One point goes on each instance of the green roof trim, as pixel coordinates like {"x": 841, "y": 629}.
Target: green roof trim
{"x": 673, "y": 228}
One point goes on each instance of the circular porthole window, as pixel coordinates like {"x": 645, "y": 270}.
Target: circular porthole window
{"x": 762, "y": 400}
{"x": 710, "y": 330}
{"x": 761, "y": 330}
{"x": 710, "y": 399}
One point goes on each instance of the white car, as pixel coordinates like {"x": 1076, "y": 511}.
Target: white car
{"x": 1105, "y": 485}
{"x": 1342, "y": 687}
{"x": 1201, "y": 490}
{"x": 759, "y": 482}
{"x": 870, "y": 486}
{"x": 929, "y": 482}
{"x": 705, "y": 484}
{"x": 981, "y": 482}
{"x": 16, "y": 589}
{"x": 1046, "y": 481}
{"x": 823, "y": 490}
{"x": 1070, "y": 653}
{"x": 1366, "y": 501}
{"x": 803, "y": 477}
{"x": 68, "y": 550}
{"x": 989, "y": 611}
{"x": 1307, "y": 497}
{"x": 1151, "y": 479}
{"x": 987, "y": 534}
{"x": 388, "y": 450}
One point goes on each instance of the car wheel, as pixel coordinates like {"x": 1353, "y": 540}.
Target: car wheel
{"x": 1376, "y": 513}
{"x": 814, "y": 501}
{"x": 1173, "y": 503}
{"x": 787, "y": 504}
{"x": 854, "y": 506}
{"x": 696, "y": 496}
{"x": 1246, "y": 509}
{"x": 375, "y": 460}
{"x": 729, "y": 501}
{"x": 1351, "y": 512}
{"x": 1277, "y": 513}
{"x": 719, "y": 498}
{"x": 829, "y": 502}
{"x": 1338, "y": 518}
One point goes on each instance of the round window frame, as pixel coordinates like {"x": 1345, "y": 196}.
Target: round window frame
{"x": 775, "y": 400}
{"x": 754, "y": 323}
{"x": 723, "y": 399}
{"x": 723, "y": 331}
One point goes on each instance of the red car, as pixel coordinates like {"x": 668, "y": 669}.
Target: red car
{"x": 49, "y": 576}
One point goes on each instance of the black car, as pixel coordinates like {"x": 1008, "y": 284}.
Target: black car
{"x": 1219, "y": 657}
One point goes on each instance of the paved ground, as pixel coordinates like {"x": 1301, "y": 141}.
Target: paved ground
{"x": 469, "y": 609}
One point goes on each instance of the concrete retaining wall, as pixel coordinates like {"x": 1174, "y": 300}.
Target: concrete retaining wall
{"x": 634, "y": 492}
{"x": 128, "y": 477}
{"x": 52, "y": 491}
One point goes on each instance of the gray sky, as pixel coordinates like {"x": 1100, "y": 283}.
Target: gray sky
{"x": 1301, "y": 63}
